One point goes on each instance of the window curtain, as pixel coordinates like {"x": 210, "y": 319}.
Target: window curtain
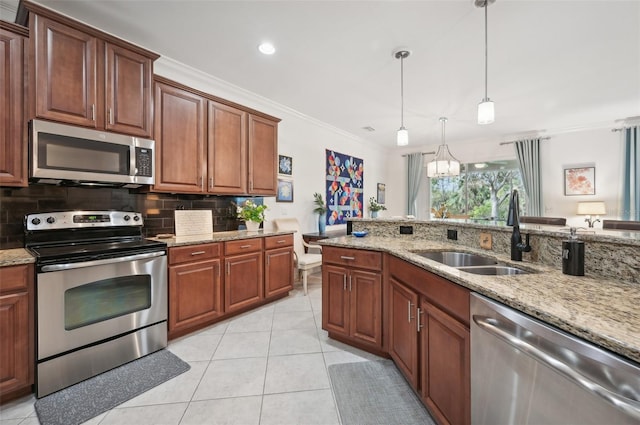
{"x": 528, "y": 154}
{"x": 414, "y": 177}
{"x": 631, "y": 176}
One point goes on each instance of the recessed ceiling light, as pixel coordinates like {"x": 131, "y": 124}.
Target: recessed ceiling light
{"x": 267, "y": 48}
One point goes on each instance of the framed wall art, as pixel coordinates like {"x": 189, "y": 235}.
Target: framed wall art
{"x": 580, "y": 181}
{"x": 382, "y": 188}
{"x": 285, "y": 165}
{"x": 285, "y": 190}
{"x": 345, "y": 187}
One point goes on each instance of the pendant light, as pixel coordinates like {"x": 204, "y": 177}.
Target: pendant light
{"x": 486, "y": 110}
{"x": 444, "y": 164}
{"x": 402, "y": 138}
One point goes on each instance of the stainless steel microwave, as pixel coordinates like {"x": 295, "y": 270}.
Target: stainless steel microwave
{"x": 65, "y": 154}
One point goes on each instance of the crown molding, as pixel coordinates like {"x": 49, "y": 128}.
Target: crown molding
{"x": 178, "y": 71}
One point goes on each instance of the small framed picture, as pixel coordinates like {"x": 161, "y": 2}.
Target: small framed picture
{"x": 285, "y": 190}
{"x": 285, "y": 165}
{"x": 579, "y": 181}
{"x": 381, "y": 193}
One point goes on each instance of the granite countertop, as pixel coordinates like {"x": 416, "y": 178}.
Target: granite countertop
{"x": 602, "y": 311}
{"x": 231, "y": 235}
{"x": 13, "y": 257}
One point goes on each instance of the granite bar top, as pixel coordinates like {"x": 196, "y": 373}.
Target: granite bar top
{"x": 13, "y": 257}
{"x": 598, "y": 310}
{"x": 231, "y": 235}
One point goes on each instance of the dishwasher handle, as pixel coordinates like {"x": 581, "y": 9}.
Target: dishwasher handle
{"x": 494, "y": 327}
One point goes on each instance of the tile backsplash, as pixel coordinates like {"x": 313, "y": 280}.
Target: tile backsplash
{"x": 157, "y": 208}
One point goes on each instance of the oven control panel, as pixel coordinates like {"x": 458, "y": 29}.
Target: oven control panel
{"x": 79, "y": 219}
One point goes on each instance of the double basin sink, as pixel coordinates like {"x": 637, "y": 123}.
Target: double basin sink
{"x": 471, "y": 263}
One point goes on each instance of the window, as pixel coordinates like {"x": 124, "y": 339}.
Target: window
{"x": 481, "y": 192}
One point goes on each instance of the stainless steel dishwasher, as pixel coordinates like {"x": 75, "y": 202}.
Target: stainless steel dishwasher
{"x": 524, "y": 371}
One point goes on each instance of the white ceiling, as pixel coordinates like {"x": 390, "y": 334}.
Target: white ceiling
{"x": 553, "y": 65}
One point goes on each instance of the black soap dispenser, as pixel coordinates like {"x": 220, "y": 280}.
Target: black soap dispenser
{"x": 573, "y": 255}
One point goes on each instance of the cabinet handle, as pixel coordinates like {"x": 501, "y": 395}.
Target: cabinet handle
{"x": 418, "y": 324}
{"x": 201, "y": 181}
{"x": 245, "y": 246}
{"x": 93, "y": 112}
{"x": 228, "y": 268}
{"x": 210, "y": 182}
{"x": 281, "y": 241}
{"x": 218, "y": 268}
{"x": 110, "y": 112}
{"x": 344, "y": 282}
{"x": 198, "y": 252}
{"x": 268, "y": 258}
{"x": 409, "y": 305}
{"x": 349, "y": 283}
{"x": 344, "y": 257}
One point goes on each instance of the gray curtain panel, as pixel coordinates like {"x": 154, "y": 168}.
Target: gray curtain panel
{"x": 631, "y": 176}
{"x": 528, "y": 154}
{"x": 414, "y": 178}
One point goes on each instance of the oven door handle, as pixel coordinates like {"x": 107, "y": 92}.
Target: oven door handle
{"x": 70, "y": 266}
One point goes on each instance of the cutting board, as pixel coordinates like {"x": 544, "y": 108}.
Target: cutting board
{"x": 193, "y": 222}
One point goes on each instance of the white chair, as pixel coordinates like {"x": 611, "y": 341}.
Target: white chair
{"x": 305, "y": 261}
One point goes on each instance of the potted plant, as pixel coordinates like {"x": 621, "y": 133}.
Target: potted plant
{"x": 374, "y": 207}
{"x": 251, "y": 213}
{"x": 320, "y": 208}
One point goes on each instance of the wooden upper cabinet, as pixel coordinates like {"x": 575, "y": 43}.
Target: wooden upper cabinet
{"x": 65, "y": 73}
{"x": 128, "y": 92}
{"x": 13, "y": 147}
{"x": 180, "y": 125}
{"x": 227, "y": 149}
{"x": 263, "y": 156}
{"x": 85, "y": 77}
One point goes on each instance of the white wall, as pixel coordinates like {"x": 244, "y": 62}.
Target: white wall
{"x": 300, "y": 137}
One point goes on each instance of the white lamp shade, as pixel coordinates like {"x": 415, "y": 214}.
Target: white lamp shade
{"x": 444, "y": 164}
{"x": 486, "y": 112}
{"x": 402, "y": 137}
{"x": 591, "y": 208}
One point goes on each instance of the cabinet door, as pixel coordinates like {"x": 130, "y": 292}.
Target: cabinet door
{"x": 14, "y": 341}
{"x": 366, "y": 306}
{"x": 445, "y": 362}
{"x": 179, "y": 134}
{"x": 243, "y": 284}
{"x": 263, "y": 156}
{"x": 65, "y": 73}
{"x": 195, "y": 295}
{"x": 278, "y": 277}
{"x": 227, "y": 149}
{"x": 335, "y": 300}
{"x": 13, "y": 147}
{"x": 128, "y": 91}
{"x": 403, "y": 335}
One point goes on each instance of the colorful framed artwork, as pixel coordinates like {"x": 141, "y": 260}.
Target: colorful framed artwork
{"x": 285, "y": 165}
{"x": 285, "y": 190}
{"x": 381, "y": 193}
{"x": 579, "y": 181}
{"x": 344, "y": 188}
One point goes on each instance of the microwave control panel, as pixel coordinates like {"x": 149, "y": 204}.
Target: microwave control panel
{"x": 144, "y": 162}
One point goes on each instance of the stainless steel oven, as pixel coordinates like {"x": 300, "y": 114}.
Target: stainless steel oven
{"x": 101, "y": 294}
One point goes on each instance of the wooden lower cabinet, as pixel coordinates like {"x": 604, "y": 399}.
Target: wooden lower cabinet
{"x": 278, "y": 265}
{"x": 445, "y": 363}
{"x": 17, "y": 350}
{"x": 352, "y": 298}
{"x": 195, "y": 287}
{"x": 244, "y": 274}
{"x": 403, "y": 331}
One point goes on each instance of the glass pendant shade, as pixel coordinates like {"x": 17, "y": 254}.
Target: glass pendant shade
{"x": 444, "y": 164}
{"x": 402, "y": 137}
{"x": 486, "y": 112}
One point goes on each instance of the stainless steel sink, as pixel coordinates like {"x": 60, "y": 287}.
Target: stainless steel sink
{"x": 457, "y": 259}
{"x": 496, "y": 270}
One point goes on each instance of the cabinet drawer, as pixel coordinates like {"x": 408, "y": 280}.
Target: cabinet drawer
{"x": 353, "y": 257}
{"x": 242, "y": 246}
{"x": 14, "y": 278}
{"x": 193, "y": 253}
{"x": 271, "y": 242}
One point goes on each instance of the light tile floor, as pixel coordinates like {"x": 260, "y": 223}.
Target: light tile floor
{"x": 267, "y": 366}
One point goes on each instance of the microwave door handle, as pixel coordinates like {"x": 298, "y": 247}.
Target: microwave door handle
{"x": 133, "y": 171}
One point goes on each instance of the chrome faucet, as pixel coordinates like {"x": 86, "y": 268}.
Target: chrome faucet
{"x": 513, "y": 219}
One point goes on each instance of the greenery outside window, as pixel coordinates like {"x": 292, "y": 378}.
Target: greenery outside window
{"x": 481, "y": 192}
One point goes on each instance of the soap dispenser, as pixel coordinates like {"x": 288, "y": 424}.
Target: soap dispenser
{"x": 573, "y": 255}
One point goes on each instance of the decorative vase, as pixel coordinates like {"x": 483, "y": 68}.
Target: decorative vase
{"x": 374, "y": 214}
{"x": 252, "y": 226}
{"x": 322, "y": 223}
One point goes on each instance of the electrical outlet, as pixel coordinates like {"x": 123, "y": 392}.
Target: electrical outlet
{"x": 406, "y": 230}
{"x": 452, "y": 234}
{"x": 485, "y": 240}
